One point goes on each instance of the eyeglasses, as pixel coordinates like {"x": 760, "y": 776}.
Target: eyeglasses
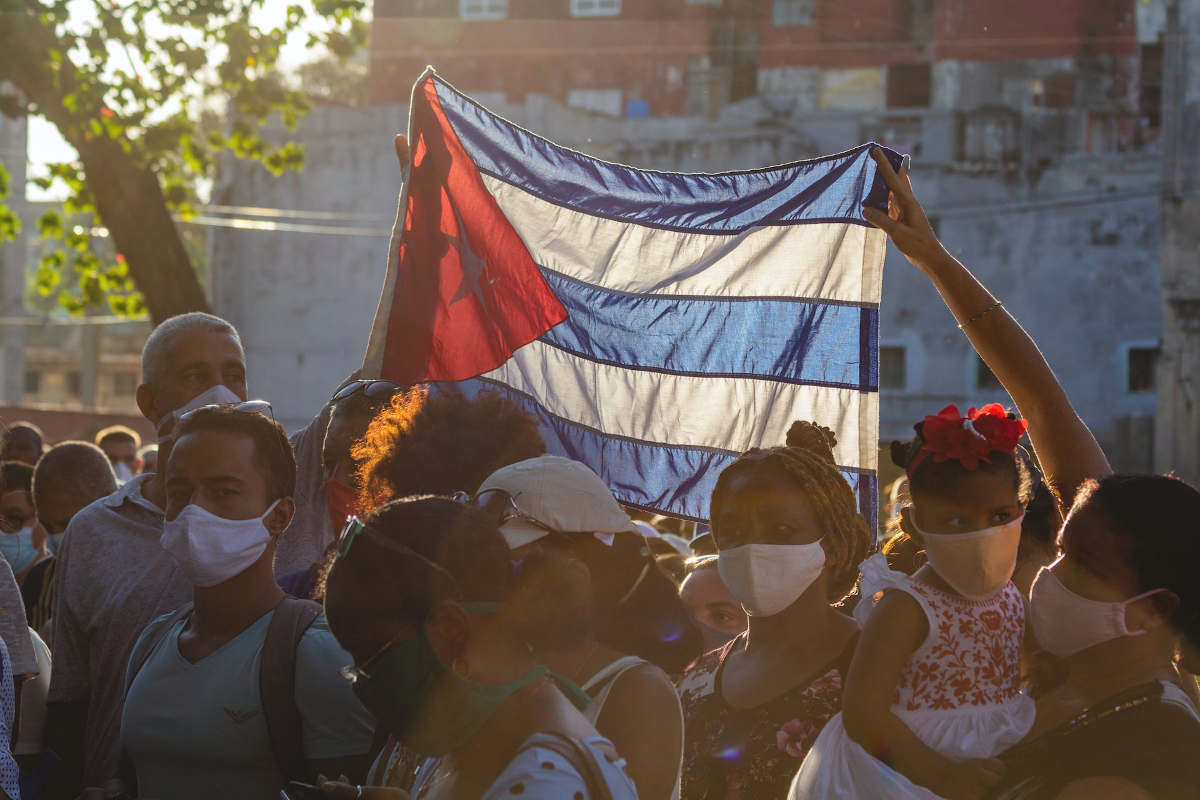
{"x": 353, "y": 529}
{"x": 373, "y": 389}
{"x": 355, "y": 672}
{"x": 501, "y": 506}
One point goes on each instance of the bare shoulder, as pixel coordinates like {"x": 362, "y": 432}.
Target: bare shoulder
{"x": 897, "y": 624}
{"x": 645, "y": 685}
{"x": 897, "y": 608}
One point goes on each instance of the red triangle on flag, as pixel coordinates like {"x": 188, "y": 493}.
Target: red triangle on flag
{"x": 467, "y": 292}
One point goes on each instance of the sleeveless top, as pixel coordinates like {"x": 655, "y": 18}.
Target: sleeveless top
{"x": 972, "y": 653}
{"x": 600, "y": 686}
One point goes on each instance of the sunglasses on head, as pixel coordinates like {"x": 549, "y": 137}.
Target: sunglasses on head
{"x": 250, "y": 406}
{"x": 260, "y": 407}
{"x": 374, "y": 389}
{"x": 501, "y": 506}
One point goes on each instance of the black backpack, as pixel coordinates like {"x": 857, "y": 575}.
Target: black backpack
{"x": 276, "y": 682}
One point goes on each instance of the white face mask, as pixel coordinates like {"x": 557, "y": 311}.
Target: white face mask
{"x": 214, "y": 395}
{"x": 123, "y": 472}
{"x": 976, "y": 564}
{"x": 767, "y": 578}
{"x": 1065, "y": 623}
{"x": 211, "y": 549}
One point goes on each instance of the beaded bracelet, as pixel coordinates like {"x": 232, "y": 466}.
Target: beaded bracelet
{"x": 963, "y": 326}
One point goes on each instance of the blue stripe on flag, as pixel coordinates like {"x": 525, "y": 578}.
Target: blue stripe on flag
{"x": 826, "y": 189}
{"x": 650, "y": 475}
{"x": 767, "y": 338}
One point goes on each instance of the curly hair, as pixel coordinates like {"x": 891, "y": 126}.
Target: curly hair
{"x": 440, "y": 442}
{"x": 807, "y": 460}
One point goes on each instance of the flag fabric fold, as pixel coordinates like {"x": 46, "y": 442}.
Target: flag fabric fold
{"x": 656, "y": 324}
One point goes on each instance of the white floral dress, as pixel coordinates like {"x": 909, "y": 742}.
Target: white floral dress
{"x": 958, "y": 693}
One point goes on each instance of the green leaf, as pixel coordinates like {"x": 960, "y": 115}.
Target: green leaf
{"x": 50, "y": 225}
{"x": 10, "y": 226}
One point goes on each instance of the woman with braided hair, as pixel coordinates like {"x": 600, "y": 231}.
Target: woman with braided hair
{"x": 790, "y": 538}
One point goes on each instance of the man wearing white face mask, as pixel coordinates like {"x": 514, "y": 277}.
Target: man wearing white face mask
{"x": 201, "y": 718}
{"x": 115, "y": 578}
{"x": 121, "y": 445}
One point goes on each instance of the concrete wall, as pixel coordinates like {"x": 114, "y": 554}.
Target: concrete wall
{"x": 304, "y": 296}
{"x": 1072, "y": 250}
{"x": 12, "y": 264}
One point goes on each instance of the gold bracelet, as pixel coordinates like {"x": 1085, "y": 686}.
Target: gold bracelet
{"x": 963, "y": 326}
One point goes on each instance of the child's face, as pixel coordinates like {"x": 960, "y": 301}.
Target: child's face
{"x": 966, "y": 502}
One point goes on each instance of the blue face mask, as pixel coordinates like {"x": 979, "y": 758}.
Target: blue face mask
{"x": 54, "y": 542}
{"x": 17, "y": 549}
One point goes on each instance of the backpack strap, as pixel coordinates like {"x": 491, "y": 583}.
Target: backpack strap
{"x": 277, "y": 685}
{"x": 579, "y": 756}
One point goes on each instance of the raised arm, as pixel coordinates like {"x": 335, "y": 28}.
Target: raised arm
{"x": 1065, "y": 447}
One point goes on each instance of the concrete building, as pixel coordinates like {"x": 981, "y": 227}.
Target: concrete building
{"x": 12, "y": 265}
{"x": 1178, "y": 441}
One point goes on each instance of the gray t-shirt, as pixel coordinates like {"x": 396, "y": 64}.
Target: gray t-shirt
{"x": 114, "y": 578}
{"x": 196, "y": 730}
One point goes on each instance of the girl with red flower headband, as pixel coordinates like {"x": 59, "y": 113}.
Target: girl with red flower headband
{"x": 934, "y": 694}
{"x": 1116, "y": 607}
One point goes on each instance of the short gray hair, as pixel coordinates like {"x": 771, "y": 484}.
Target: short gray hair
{"x": 79, "y": 468}
{"x": 157, "y": 352}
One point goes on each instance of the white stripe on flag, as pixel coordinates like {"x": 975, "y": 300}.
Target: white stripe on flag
{"x": 728, "y": 414}
{"x": 839, "y": 261}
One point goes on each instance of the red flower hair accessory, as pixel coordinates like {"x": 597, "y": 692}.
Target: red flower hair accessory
{"x": 970, "y": 439}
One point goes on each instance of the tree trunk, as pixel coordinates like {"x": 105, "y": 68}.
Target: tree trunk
{"x": 129, "y": 199}
{"x": 131, "y": 205}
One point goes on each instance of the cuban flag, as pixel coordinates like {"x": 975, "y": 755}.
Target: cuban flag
{"x": 657, "y": 324}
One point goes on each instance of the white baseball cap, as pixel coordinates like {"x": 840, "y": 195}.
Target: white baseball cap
{"x": 562, "y": 494}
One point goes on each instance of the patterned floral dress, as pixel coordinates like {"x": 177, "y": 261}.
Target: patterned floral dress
{"x": 746, "y": 754}
{"x": 959, "y": 692}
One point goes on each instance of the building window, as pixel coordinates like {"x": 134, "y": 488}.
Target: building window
{"x": 33, "y": 382}
{"x": 985, "y": 381}
{"x": 74, "y": 383}
{"x": 792, "y": 12}
{"x": 1143, "y": 362}
{"x": 893, "y": 368}
{"x": 595, "y": 8}
{"x": 1152, "y": 83}
{"x": 125, "y": 384}
{"x": 605, "y": 101}
{"x": 1058, "y": 91}
{"x": 483, "y": 9}
{"x": 909, "y": 85}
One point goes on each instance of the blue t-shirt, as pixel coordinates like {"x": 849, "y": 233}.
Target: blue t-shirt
{"x": 198, "y": 731}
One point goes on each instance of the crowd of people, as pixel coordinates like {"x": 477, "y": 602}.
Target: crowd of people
{"x": 409, "y": 598}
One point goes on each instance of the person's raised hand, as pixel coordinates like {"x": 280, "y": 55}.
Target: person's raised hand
{"x": 971, "y": 779}
{"x": 401, "y": 145}
{"x": 905, "y": 222}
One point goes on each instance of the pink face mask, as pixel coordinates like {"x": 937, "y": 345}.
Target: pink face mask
{"x": 1066, "y": 623}
{"x": 976, "y": 564}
